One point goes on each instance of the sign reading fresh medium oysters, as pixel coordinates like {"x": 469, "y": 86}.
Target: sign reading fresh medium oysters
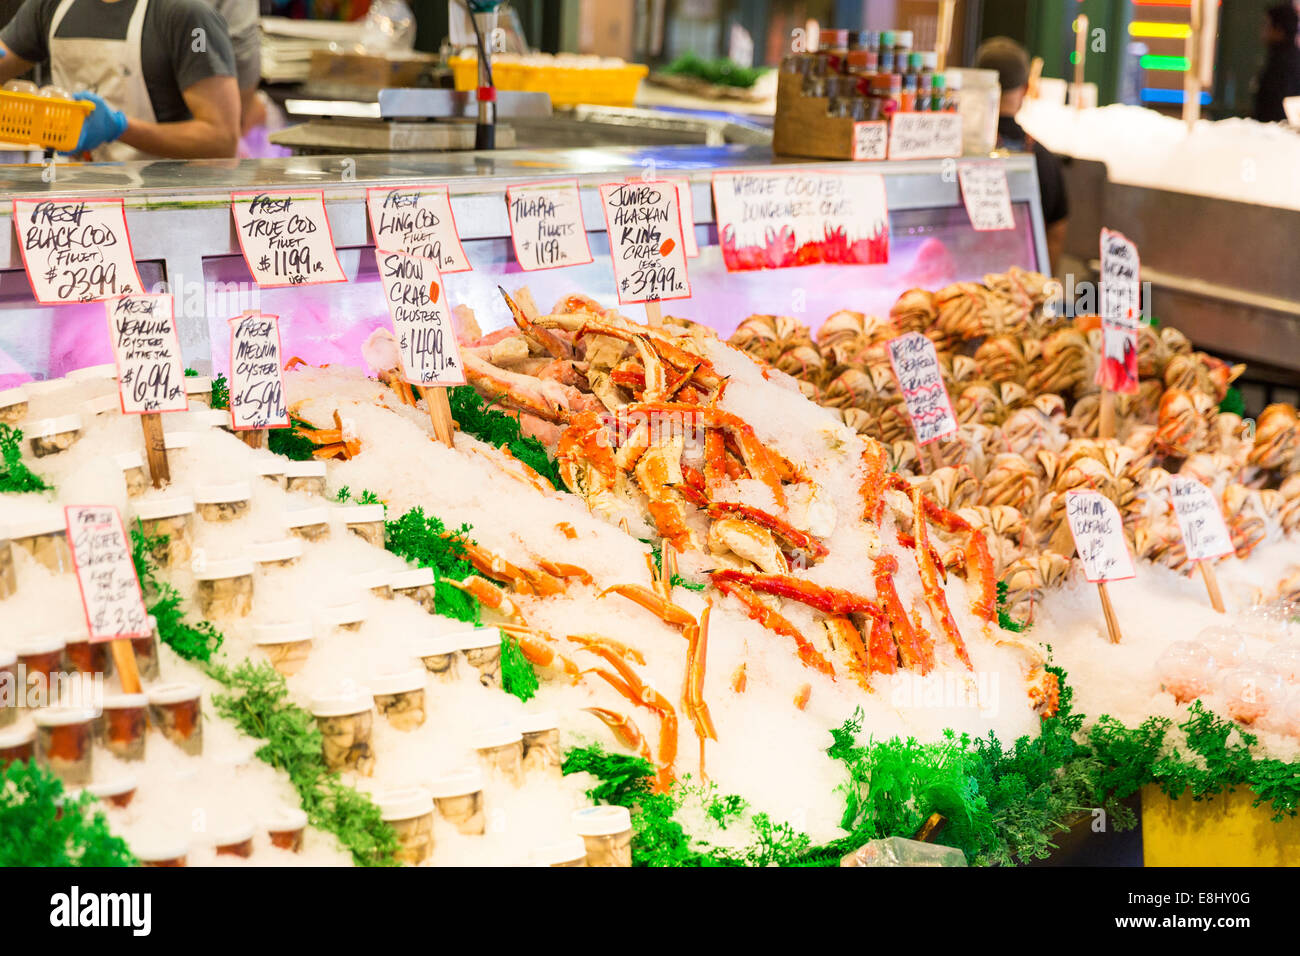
{"x": 256, "y": 375}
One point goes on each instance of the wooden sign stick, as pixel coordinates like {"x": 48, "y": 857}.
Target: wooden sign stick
{"x": 654, "y": 314}
{"x": 1211, "y": 586}
{"x": 943, "y": 32}
{"x": 155, "y": 447}
{"x": 124, "y": 661}
{"x": 1106, "y": 415}
{"x": 253, "y": 437}
{"x": 1112, "y": 622}
{"x": 444, "y": 427}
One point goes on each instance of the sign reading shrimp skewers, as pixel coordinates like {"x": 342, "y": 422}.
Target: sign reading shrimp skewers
{"x": 546, "y": 225}
{"x": 75, "y": 250}
{"x": 417, "y": 220}
{"x": 256, "y": 375}
{"x": 1121, "y": 302}
{"x": 426, "y": 336}
{"x": 1098, "y": 533}
{"x": 645, "y": 241}
{"x": 286, "y": 238}
{"x": 150, "y": 371}
{"x": 920, "y": 379}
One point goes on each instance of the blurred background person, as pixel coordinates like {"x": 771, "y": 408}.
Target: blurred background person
{"x": 1280, "y": 76}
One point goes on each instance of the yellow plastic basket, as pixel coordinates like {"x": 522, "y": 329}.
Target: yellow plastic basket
{"x": 567, "y": 86}
{"x": 28, "y": 119}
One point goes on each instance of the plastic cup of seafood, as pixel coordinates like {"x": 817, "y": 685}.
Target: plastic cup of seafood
{"x": 1226, "y": 645}
{"x": 1285, "y": 659}
{"x": 310, "y": 524}
{"x": 44, "y": 535}
{"x": 346, "y": 720}
{"x": 409, "y": 812}
{"x": 400, "y": 697}
{"x": 13, "y": 405}
{"x": 17, "y": 743}
{"x": 272, "y": 471}
{"x": 607, "y": 833}
{"x": 89, "y": 373}
{"x": 123, "y": 724}
{"x": 41, "y": 658}
{"x": 198, "y": 389}
{"x": 459, "y": 798}
{"x": 85, "y": 657}
{"x": 344, "y": 617}
{"x": 571, "y": 851}
{"x": 8, "y": 576}
{"x": 64, "y": 741}
{"x": 416, "y": 584}
{"x": 172, "y": 517}
{"x": 101, "y": 405}
{"x": 133, "y": 473}
{"x": 224, "y": 588}
{"x": 235, "y": 839}
{"x": 118, "y": 791}
{"x": 146, "y": 652}
{"x": 49, "y": 436}
{"x": 1251, "y": 693}
{"x": 482, "y": 648}
{"x": 285, "y": 827}
{"x": 365, "y": 521}
{"x": 1269, "y": 621}
{"x": 178, "y": 441}
{"x": 501, "y": 749}
{"x": 276, "y": 554}
{"x": 378, "y": 582}
{"x": 438, "y": 654}
{"x": 162, "y": 852}
{"x": 286, "y": 644}
{"x": 223, "y": 502}
{"x": 305, "y": 476}
{"x": 177, "y": 710}
{"x": 541, "y": 734}
{"x": 1186, "y": 669}
{"x": 9, "y": 690}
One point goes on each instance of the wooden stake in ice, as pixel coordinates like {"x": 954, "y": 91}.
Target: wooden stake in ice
{"x": 1097, "y": 529}
{"x": 1211, "y": 586}
{"x": 1112, "y": 622}
{"x": 1198, "y": 49}
{"x": 155, "y": 448}
{"x": 124, "y": 662}
{"x": 1205, "y": 533}
{"x": 253, "y": 438}
{"x": 444, "y": 428}
{"x": 1106, "y": 415}
{"x": 654, "y": 314}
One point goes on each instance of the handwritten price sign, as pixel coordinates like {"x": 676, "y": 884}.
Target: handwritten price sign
{"x": 870, "y": 140}
{"x": 75, "y": 250}
{"x": 1098, "y": 536}
{"x": 426, "y": 336}
{"x": 645, "y": 241}
{"x": 925, "y": 136}
{"x": 150, "y": 372}
{"x": 1205, "y": 534}
{"x": 256, "y": 375}
{"x": 110, "y": 590}
{"x": 920, "y": 378}
{"x": 986, "y": 194}
{"x": 546, "y": 225}
{"x": 418, "y": 221}
{"x": 286, "y": 238}
{"x": 1121, "y": 301}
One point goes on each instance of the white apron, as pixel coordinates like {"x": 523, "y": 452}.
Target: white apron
{"x": 111, "y": 68}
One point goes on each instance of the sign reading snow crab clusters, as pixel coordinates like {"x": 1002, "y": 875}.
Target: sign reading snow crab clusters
{"x": 147, "y": 349}
{"x": 774, "y": 220}
{"x": 75, "y": 250}
{"x": 1205, "y": 533}
{"x": 645, "y": 241}
{"x": 426, "y": 336}
{"x": 546, "y": 225}
{"x": 417, "y": 220}
{"x": 1121, "y": 302}
{"x": 256, "y": 375}
{"x": 987, "y": 196}
{"x": 286, "y": 238}
{"x": 1098, "y": 533}
{"x": 110, "y": 590}
{"x": 920, "y": 378}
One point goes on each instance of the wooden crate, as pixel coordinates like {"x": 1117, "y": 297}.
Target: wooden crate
{"x": 803, "y": 125}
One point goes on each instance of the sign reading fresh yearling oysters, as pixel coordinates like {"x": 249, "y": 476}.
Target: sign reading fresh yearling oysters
{"x": 256, "y": 375}
{"x": 426, "y": 335}
{"x": 286, "y": 238}
{"x": 1205, "y": 533}
{"x": 546, "y": 225}
{"x": 150, "y": 372}
{"x": 1098, "y": 533}
{"x": 920, "y": 379}
{"x": 110, "y": 590}
{"x": 75, "y": 250}
{"x": 417, "y": 220}
{"x": 645, "y": 241}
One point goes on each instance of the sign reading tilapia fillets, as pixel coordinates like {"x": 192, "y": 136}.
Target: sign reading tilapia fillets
{"x": 546, "y": 225}
{"x": 645, "y": 241}
{"x": 150, "y": 371}
{"x": 920, "y": 379}
{"x": 286, "y": 238}
{"x": 426, "y": 334}
{"x": 987, "y": 197}
{"x": 1098, "y": 534}
{"x": 110, "y": 590}
{"x": 1205, "y": 533}
{"x": 256, "y": 375}
{"x": 417, "y": 220}
{"x": 1121, "y": 303}
{"x": 75, "y": 250}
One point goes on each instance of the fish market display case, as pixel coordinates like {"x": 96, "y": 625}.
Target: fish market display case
{"x": 182, "y": 234}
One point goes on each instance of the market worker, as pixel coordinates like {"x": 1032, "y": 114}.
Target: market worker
{"x": 161, "y": 73}
{"x": 1011, "y": 61}
{"x": 244, "y": 23}
{"x": 1280, "y": 76}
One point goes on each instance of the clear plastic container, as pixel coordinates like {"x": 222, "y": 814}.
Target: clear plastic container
{"x": 286, "y": 644}
{"x": 118, "y": 791}
{"x": 133, "y": 473}
{"x": 1251, "y": 693}
{"x": 400, "y": 698}
{"x": 123, "y": 725}
{"x": 344, "y": 617}
{"x": 365, "y": 521}
{"x": 13, "y": 405}
{"x": 482, "y": 647}
{"x": 1285, "y": 659}
{"x": 307, "y": 477}
{"x": 276, "y": 554}
{"x": 1226, "y": 645}
{"x": 459, "y": 798}
{"x": 87, "y": 658}
{"x": 409, "y": 812}
{"x": 235, "y": 839}
{"x": 223, "y": 502}
{"x": 106, "y": 372}
{"x": 416, "y": 584}
{"x": 198, "y": 389}
{"x": 570, "y": 851}
{"x": 378, "y": 582}
{"x": 285, "y": 827}
{"x": 17, "y": 743}
{"x": 8, "y": 577}
{"x": 44, "y": 535}
{"x": 1268, "y": 621}
{"x": 101, "y": 405}
{"x": 40, "y": 658}
{"x": 146, "y": 653}
{"x": 607, "y": 833}
{"x": 224, "y": 588}
{"x": 438, "y": 654}
{"x": 1186, "y": 669}
{"x": 272, "y": 471}
{"x": 53, "y": 435}
{"x": 541, "y": 737}
{"x": 162, "y": 852}
{"x": 347, "y": 721}
{"x": 172, "y": 517}
{"x": 64, "y": 742}
{"x": 501, "y": 749}
{"x": 310, "y": 524}
{"x": 9, "y": 689}
{"x": 981, "y": 100}
{"x": 177, "y": 711}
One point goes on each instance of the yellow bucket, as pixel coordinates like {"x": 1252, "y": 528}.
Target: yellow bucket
{"x": 567, "y": 85}
{"x": 28, "y": 119}
{"x": 1224, "y": 830}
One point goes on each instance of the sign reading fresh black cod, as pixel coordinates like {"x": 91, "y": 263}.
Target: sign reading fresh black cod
{"x": 75, "y": 250}
{"x": 1205, "y": 533}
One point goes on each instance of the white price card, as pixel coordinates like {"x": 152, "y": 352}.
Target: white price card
{"x": 645, "y": 241}
{"x": 75, "y": 250}
{"x": 987, "y": 197}
{"x": 256, "y": 373}
{"x": 147, "y": 350}
{"x": 426, "y": 334}
{"x": 546, "y": 225}
{"x": 1098, "y": 534}
{"x": 925, "y": 136}
{"x": 110, "y": 590}
{"x": 1121, "y": 302}
{"x": 920, "y": 378}
{"x": 418, "y": 220}
{"x": 800, "y": 217}
{"x": 1205, "y": 533}
{"x": 870, "y": 140}
{"x": 286, "y": 238}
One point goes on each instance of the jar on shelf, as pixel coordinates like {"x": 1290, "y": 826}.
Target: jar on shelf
{"x": 482, "y": 649}
{"x": 409, "y": 811}
{"x": 400, "y": 697}
{"x": 17, "y": 743}
{"x": 459, "y": 798}
{"x": 501, "y": 749}
{"x": 271, "y": 470}
{"x": 41, "y": 658}
{"x": 346, "y": 722}
{"x": 198, "y": 389}
{"x": 44, "y": 535}
{"x": 9, "y": 689}
{"x": 13, "y": 405}
{"x": 177, "y": 711}
{"x": 173, "y": 518}
{"x": 276, "y": 554}
{"x": 65, "y": 742}
{"x": 310, "y": 524}
{"x": 8, "y": 576}
{"x": 365, "y": 521}
{"x": 286, "y": 644}
{"x": 416, "y": 584}
{"x": 118, "y": 791}
{"x": 378, "y": 582}
{"x": 224, "y": 588}
{"x": 235, "y": 839}
{"x": 49, "y": 436}
{"x": 307, "y": 477}
{"x": 570, "y": 851}
{"x": 223, "y": 502}
{"x": 285, "y": 827}
{"x": 541, "y": 738}
{"x": 344, "y": 617}
{"x": 123, "y": 725}
{"x": 133, "y": 473}
{"x": 607, "y": 833}
{"x": 438, "y": 654}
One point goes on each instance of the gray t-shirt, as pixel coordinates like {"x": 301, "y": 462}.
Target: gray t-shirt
{"x": 244, "y": 21}
{"x": 168, "y": 55}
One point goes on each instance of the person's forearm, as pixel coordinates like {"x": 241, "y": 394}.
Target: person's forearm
{"x": 188, "y": 139}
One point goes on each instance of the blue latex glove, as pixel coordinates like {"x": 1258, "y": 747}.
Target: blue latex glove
{"x": 102, "y": 126}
